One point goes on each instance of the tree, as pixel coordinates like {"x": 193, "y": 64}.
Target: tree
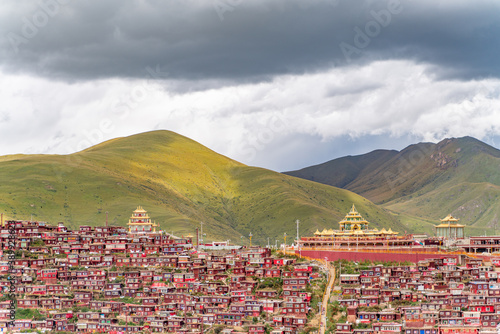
{"x": 218, "y": 329}
{"x": 37, "y": 243}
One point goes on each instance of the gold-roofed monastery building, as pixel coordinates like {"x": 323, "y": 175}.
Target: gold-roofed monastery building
{"x": 450, "y": 228}
{"x": 140, "y": 222}
{"x": 354, "y": 232}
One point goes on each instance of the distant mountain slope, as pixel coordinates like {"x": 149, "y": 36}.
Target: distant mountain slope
{"x": 342, "y": 171}
{"x": 427, "y": 181}
{"x": 180, "y": 183}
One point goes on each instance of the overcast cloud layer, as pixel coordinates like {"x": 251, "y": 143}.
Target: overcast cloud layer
{"x": 280, "y": 84}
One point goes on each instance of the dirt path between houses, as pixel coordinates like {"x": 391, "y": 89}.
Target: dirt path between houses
{"x": 326, "y": 297}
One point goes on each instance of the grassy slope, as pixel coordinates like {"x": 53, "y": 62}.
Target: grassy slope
{"x": 468, "y": 187}
{"x": 425, "y": 182}
{"x": 341, "y": 172}
{"x": 180, "y": 183}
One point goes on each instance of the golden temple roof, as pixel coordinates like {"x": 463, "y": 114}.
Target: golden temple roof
{"x": 391, "y": 231}
{"x": 353, "y": 217}
{"x": 140, "y": 210}
{"x": 449, "y": 218}
{"x": 353, "y": 213}
{"x": 449, "y": 221}
{"x": 140, "y": 217}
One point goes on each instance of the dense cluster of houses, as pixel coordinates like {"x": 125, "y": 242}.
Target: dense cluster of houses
{"x": 106, "y": 279}
{"x": 438, "y": 296}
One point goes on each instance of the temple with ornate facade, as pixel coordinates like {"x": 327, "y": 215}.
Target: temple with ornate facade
{"x": 450, "y": 228}
{"x": 140, "y": 222}
{"x": 354, "y": 232}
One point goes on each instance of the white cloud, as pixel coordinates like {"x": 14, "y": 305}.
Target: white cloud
{"x": 245, "y": 121}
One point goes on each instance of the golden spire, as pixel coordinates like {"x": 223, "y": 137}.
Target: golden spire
{"x": 353, "y": 221}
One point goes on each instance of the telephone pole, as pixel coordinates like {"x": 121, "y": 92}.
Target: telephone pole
{"x": 201, "y": 223}
{"x": 298, "y": 247}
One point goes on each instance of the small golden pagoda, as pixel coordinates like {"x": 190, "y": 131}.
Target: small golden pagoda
{"x": 449, "y": 228}
{"x": 140, "y": 222}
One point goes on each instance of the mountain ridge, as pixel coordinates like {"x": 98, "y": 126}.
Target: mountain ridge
{"x": 423, "y": 181}
{"x": 181, "y": 183}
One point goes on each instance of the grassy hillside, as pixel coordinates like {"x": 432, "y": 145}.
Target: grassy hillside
{"x": 341, "y": 172}
{"x": 425, "y": 182}
{"x": 180, "y": 183}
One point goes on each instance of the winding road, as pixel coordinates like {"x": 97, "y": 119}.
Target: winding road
{"x": 326, "y": 297}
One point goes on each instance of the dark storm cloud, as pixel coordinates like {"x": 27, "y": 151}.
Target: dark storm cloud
{"x": 244, "y": 40}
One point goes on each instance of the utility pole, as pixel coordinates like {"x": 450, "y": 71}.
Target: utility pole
{"x": 267, "y": 242}
{"x": 285, "y": 239}
{"x": 198, "y": 239}
{"x": 106, "y": 219}
{"x": 297, "y": 222}
{"x": 250, "y": 236}
{"x": 298, "y": 245}
{"x": 201, "y": 223}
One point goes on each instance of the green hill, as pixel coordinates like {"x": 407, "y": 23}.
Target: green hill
{"x": 341, "y": 172}
{"x": 425, "y": 182}
{"x": 181, "y": 183}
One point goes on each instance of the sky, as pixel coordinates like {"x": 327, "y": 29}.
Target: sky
{"x": 280, "y": 84}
